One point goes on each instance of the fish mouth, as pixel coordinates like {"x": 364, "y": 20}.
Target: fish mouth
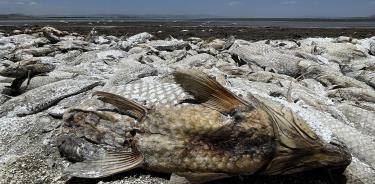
{"x": 334, "y": 155}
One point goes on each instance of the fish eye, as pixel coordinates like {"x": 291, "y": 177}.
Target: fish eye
{"x": 238, "y": 118}
{"x": 133, "y": 132}
{"x": 236, "y": 115}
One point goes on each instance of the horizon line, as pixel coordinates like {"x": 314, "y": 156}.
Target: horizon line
{"x": 179, "y": 15}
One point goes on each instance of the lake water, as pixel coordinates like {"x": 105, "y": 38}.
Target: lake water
{"x": 230, "y": 22}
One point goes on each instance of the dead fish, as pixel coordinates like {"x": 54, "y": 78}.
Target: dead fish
{"x": 265, "y": 56}
{"x": 372, "y": 48}
{"x": 229, "y": 42}
{"x": 345, "y": 39}
{"x": 214, "y": 135}
{"x": 134, "y": 40}
{"x": 92, "y": 35}
{"x": 139, "y": 38}
{"x": 51, "y": 36}
{"x": 45, "y": 96}
{"x": 54, "y": 31}
{"x": 342, "y": 51}
{"x": 329, "y": 77}
{"x": 217, "y": 44}
{"x": 168, "y": 45}
{"x": 353, "y": 94}
{"x": 25, "y": 70}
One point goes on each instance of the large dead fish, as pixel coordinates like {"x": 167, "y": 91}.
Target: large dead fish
{"x": 213, "y": 135}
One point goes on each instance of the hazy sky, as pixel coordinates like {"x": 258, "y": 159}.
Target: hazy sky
{"x": 222, "y": 8}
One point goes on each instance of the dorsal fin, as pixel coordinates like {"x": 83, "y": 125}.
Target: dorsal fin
{"x": 208, "y": 91}
{"x": 109, "y": 164}
{"x": 132, "y": 108}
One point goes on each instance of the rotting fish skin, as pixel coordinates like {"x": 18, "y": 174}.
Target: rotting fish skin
{"x": 134, "y": 40}
{"x": 25, "y": 70}
{"x": 43, "y": 97}
{"x": 171, "y": 45}
{"x": 214, "y": 135}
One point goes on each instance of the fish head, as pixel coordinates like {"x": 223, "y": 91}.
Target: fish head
{"x": 99, "y": 127}
{"x": 12, "y": 71}
{"x": 333, "y": 155}
{"x": 298, "y": 147}
{"x": 43, "y": 67}
{"x": 295, "y": 145}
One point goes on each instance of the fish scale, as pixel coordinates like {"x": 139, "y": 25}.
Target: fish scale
{"x": 151, "y": 93}
{"x": 180, "y": 155}
{"x": 362, "y": 146}
{"x": 148, "y": 94}
{"x": 186, "y": 128}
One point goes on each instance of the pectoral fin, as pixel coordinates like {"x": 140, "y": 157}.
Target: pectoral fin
{"x": 109, "y": 164}
{"x": 17, "y": 83}
{"x": 195, "y": 178}
{"x": 209, "y": 92}
{"x": 131, "y": 107}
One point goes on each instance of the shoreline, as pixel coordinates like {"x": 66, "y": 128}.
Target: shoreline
{"x": 184, "y": 30}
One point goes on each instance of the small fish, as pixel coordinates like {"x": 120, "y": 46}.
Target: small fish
{"x": 25, "y": 70}
{"x": 372, "y": 48}
{"x": 213, "y": 135}
{"x": 134, "y": 40}
{"x": 41, "y": 98}
{"x": 171, "y": 45}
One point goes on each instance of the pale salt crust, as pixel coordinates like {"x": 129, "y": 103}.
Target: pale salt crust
{"x": 10, "y": 130}
{"x": 355, "y": 172}
{"x": 7, "y": 158}
{"x": 110, "y": 53}
{"x": 365, "y": 43}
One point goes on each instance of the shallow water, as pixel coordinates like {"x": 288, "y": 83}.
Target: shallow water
{"x": 232, "y": 22}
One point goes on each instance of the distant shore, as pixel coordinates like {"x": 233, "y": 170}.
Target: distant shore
{"x": 193, "y": 28}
